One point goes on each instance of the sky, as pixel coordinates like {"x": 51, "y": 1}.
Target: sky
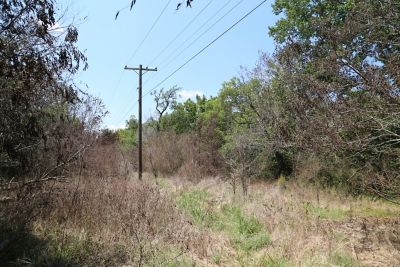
{"x": 155, "y": 34}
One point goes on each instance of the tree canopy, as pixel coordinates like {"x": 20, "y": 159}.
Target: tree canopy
{"x": 39, "y": 104}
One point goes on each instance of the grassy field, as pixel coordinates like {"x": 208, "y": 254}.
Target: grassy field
{"x": 175, "y": 222}
{"x": 292, "y": 225}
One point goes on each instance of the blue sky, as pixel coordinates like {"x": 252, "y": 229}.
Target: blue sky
{"x": 110, "y": 45}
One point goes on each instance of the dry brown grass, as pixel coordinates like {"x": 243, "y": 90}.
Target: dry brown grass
{"x": 135, "y": 215}
{"x": 108, "y": 222}
{"x": 93, "y": 221}
{"x": 107, "y": 159}
{"x": 313, "y": 227}
{"x": 185, "y": 155}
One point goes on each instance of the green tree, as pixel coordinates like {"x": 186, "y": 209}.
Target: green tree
{"x": 182, "y": 118}
{"x": 339, "y": 58}
{"x": 128, "y": 136}
{"x": 260, "y": 131}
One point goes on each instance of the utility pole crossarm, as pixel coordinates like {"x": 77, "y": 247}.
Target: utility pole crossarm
{"x": 143, "y": 69}
{"x": 140, "y": 69}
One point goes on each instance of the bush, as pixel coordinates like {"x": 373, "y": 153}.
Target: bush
{"x": 102, "y": 221}
{"x": 168, "y": 153}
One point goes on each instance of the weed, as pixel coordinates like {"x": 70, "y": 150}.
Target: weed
{"x": 53, "y": 248}
{"x": 195, "y": 203}
{"x": 340, "y": 214}
{"x": 245, "y": 232}
{"x": 274, "y": 262}
{"x": 343, "y": 260}
{"x": 170, "y": 257}
{"x": 216, "y": 258}
{"x": 101, "y": 222}
{"x": 281, "y": 182}
{"x": 161, "y": 182}
{"x": 378, "y": 212}
{"x": 326, "y": 213}
{"x": 253, "y": 242}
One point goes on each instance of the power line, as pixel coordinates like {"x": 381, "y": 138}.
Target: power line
{"x": 139, "y": 46}
{"x": 149, "y": 31}
{"x": 207, "y": 21}
{"x": 207, "y": 46}
{"x": 123, "y": 8}
{"x": 169, "y": 44}
{"x": 173, "y": 56}
{"x": 201, "y": 51}
{"x": 127, "y": 112}
{"x": 194, "y": 33}
{"x": 180, "y": 33}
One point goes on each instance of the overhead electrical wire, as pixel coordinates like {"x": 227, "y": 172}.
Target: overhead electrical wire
{"x": 174, "y": 56}
{"x": 193, "y": 34}
{"x": 123, "y": 8}
{"x": 207, "y": 46}
{"x": 139, "y": 46}
{"x": 180, "y": 33}
{"x": 149, "y": 31}
{"x": 173, "y": 39}
{"x": 201, "y": 51}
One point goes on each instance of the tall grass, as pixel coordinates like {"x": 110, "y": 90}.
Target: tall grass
{"x": 106, "y": 222}
{"x": 246, "y": 233}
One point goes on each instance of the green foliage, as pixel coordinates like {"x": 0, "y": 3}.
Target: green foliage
{"x": 299, "y": 17}
{"x": 237, "y": 101}
{"x": 128, "y": 136}
{"x": 73, "y": 248}
{"x": 331, "y": 90}
{"x": 245, "y": 232}
{"x": 260, "y": 122}
{"x": 338, "y": 214}
{"x": 329, "y": 56}
{"x": 269, "y": 261}
{"x": 186, "y": 262}
{"x": 241, "y": 224}
{"x": 195, "y": 203}
{"x": 378, "y": 212}
{"x": 343, "y": 260}
{"x": 193, "y": 116}
{"x": 164, "y": 100}
{"x": 326, "y": 213}
{"x": 216, "y": 258}
{"x": 248, "y": 243}
{"x": 183, "y": 117}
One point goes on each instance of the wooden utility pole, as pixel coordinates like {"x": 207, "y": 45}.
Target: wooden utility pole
{"x": 140, "y": 73}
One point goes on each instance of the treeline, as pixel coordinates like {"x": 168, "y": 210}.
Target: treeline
{"x": 46, "y": 122}
{"x": 325, "y": 107}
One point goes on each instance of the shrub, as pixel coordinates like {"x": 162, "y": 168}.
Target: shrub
{"x": 93, "y": 219}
